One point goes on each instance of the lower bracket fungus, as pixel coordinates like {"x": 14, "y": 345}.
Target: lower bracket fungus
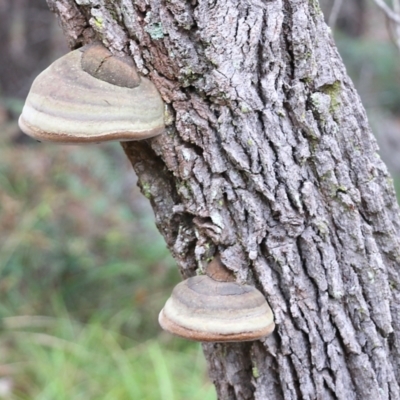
{"x": 208, "y": 310}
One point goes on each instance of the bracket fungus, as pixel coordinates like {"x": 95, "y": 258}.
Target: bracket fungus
{"x": 204, "y": 309}
{"x": 92, "y": 96}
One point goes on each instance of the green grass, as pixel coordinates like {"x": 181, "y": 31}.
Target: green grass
{"x": 61, "y": 359}
{"x": 83, "y": 276}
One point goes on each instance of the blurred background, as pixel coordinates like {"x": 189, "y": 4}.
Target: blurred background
{"x": 84, "y": 271}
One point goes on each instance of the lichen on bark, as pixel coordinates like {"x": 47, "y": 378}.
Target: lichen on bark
{"x": 269, "y": 160}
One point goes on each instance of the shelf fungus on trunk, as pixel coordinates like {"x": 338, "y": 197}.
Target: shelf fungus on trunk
{"x": 206, "y": 309}
{"x": 92, "y": 96}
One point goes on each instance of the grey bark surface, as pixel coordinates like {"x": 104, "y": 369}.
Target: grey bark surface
{"x": 268, "y": 159}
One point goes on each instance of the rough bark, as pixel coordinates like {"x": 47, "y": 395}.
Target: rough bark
{"x": 267, "y": 158}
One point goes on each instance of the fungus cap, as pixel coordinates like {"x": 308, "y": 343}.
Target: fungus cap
{"x": 206, "y": 310}
{"x": 68, "y": 105}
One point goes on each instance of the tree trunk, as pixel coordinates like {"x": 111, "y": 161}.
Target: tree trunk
{"x": 268, "y": 159}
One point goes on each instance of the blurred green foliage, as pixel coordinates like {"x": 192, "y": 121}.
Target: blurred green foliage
{"x": 375, "y": 70}
{"x": 83, "y": 276}
{"x": 62, "y": 359}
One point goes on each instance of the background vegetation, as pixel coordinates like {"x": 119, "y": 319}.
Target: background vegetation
{"x": 83, "y": 270}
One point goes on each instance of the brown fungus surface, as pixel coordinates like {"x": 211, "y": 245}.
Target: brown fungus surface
{"x": 68, "y": 105}
{"x": 206, "y": 310}
{"x": 100, "y": 63}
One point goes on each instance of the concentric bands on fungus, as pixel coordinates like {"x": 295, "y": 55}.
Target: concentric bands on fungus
{"x": 68, "y": 105}
{"x": 206, "y": 310}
